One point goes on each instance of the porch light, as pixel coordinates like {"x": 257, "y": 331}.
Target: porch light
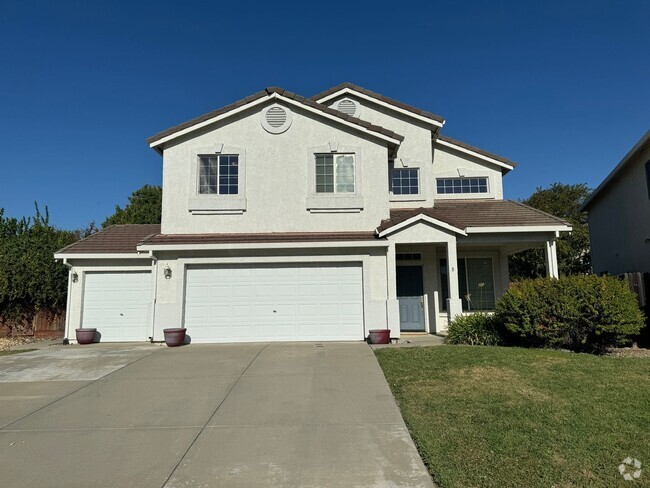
{"x": 74, "y": 276}
{"x": 167, "y": 271}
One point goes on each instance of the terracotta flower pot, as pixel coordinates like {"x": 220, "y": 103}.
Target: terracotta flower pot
{"x": 174, "y": 337}
{"x": 85, "y": 336}
{"x": 379, "y": 336}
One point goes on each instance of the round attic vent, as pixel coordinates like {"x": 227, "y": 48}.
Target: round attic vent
{"x": 276, "y": 119}
{"x": 348, "y": 107}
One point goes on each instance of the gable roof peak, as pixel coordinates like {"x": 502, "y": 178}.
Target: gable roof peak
{"x": 330, "y": 93}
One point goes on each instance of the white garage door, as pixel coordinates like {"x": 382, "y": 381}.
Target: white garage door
{"x": 118, "y": 305}
{"x": 274, "y": 303}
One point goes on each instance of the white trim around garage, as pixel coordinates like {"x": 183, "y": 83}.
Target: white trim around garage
{"x": 262, "y": 245}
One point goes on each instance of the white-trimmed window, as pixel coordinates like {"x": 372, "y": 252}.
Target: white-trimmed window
{"x": 335, "y": 173}
{"x": 447, "y": 186}
{"x": 475, "y": 284}
{"x": 219, "y": 174}
{"x": 405, "y": 181}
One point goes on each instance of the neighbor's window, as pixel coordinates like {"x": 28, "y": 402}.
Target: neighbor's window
{"x": 335, "y": 173}
{"x": 462, "y": 185}
{"x": 475, "y": 283}
{"x": 219, "y": 175}
{"x": 405, "y": 181}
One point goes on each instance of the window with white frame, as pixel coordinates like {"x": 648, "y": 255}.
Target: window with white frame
{"x": 335, "y": 173}
{"x": 405, "y": 181}
{"x": 475, "y": 283}
{"x": 462, "y": 185}
{"x": 219, "y": 174}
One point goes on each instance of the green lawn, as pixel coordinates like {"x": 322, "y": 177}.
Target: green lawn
{"x": 8, "y": 353}
{"x": 510, "y": 417}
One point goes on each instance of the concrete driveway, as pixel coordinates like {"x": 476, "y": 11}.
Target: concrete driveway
{"x": 244, "y": 415}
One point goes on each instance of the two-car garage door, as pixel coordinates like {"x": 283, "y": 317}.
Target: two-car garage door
{"x": 259, "y": 303}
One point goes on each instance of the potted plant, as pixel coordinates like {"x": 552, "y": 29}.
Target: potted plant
{"x": 86, "y": 335}
{"x": 174, "y": 337}
{"x": 379, "y": 336}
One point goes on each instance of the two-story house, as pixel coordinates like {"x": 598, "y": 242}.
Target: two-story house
{"x": 308, "y": 219}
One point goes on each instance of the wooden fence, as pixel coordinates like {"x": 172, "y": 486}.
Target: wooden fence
{"x": 43, "y": 325}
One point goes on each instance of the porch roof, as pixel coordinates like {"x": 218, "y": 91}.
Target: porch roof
{"x": 479, "y": 214}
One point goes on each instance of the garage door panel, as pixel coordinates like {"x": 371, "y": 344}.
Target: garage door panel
{"x": 274, "y": 303}
{"x": 117, "y": 304}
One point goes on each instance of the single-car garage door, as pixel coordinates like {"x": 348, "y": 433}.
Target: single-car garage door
{"x": 118, "y": 305}
{"x": 274, "y": 303}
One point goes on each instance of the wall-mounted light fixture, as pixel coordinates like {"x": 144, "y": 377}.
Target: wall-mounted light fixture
{"x": 167, "y": 271}
{"x": 74, "y": 276}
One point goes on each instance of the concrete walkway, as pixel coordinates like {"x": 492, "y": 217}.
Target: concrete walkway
{"x": 305, "y": 415}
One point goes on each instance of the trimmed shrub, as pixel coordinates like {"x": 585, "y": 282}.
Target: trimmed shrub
{"x": 580, "y": 313}
{"x": 476, "y": 329}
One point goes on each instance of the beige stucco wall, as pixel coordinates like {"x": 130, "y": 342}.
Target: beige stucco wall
{"x": 414, "y": 152}
{"x": 170, "y": 292}
{"x": 619, "y": 222}
{"x": 74, "y": 317}
{"x": 447, "y": 162}
{"x": 276, "y": 176}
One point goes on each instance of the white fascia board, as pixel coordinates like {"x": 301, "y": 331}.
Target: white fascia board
{"x": 211, "y": 120}
{"x": 520, "y": 228}
{"x": 265, "y": 99}
{"x": 257, "y": 246}
{"x": 475, "y": 154}
{"x": 345, "y": 91}
{"x": 418, "y": 218}
{"x": 70, "y": 256}
{"x": 397, "y": 142}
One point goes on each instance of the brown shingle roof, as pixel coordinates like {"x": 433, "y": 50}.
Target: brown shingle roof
{"x": 287, "y": 94}
{"x": 404, "y": 106}
{"x": 161, "y": 239}
{"x": 477, "y": 150}
{"x": 476, "y": 213}
{"x": 116, "y": 239}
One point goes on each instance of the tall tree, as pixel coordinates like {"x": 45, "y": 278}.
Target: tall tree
{"x": 144, "y": 207}
{"x": 30, "y": 279}
{"x": 563, "y": 201}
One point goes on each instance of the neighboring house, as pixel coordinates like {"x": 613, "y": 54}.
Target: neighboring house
{"x": 288, "y": 218}
{"x": 619, "y": 215}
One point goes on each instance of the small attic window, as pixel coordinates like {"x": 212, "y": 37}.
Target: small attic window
{"x": 348, "y": 107}
{"x": 276, "y": 119}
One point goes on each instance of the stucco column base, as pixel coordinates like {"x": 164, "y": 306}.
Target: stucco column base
{"x": 454, "y": 308}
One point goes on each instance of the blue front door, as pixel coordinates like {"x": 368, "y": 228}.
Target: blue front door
{"x": 410, "y": 297}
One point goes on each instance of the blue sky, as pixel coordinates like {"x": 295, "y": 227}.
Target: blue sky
{"x": 562, "y": 88}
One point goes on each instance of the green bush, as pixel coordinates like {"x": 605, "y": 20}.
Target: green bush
{"x": 580, "y": 313}
{"x": 476, "y": 329}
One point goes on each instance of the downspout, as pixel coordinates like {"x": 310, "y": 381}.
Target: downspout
{"x": 67, "y": 303}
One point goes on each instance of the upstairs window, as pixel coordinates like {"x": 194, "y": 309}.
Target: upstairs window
{"x": 462, "y": 185}
{"x": 335, "y": 173}
{"x": 219, "y": 175}
{"x": 405, "y": 181}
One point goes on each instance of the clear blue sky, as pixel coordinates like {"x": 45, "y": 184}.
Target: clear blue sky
{"x": 562, "y": 87}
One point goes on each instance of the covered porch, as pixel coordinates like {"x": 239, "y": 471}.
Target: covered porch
{"x": 439, "y": 269}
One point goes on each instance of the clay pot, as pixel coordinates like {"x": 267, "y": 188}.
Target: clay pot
{"x": 379, "y": 336}
{"x": 174, "y": 337}
{"x": 86, "y": 336}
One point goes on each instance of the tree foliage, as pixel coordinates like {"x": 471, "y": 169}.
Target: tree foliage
{"x": 574, "y": 258}
{"x": 30, "y": 279}
{"x": 144, "y": 207}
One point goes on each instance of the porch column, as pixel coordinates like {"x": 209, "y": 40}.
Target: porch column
{"x": 454, "y": 303}
{"x": 392, "y": 305}
{"x": 552, "y": 270}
